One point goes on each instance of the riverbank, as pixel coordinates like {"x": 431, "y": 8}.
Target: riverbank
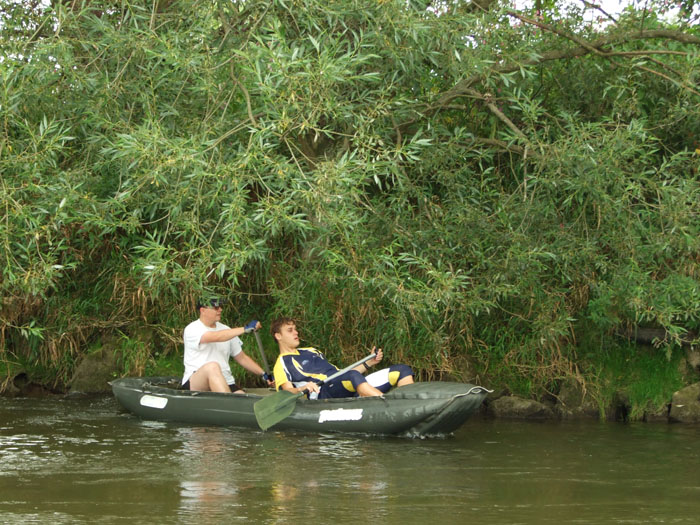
{"x": 629, "y": 382}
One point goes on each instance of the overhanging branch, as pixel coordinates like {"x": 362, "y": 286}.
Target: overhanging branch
{"x": 599, "y": 46}
{"x": 507, "y": 146}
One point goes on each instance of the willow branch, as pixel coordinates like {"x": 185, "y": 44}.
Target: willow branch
{"x": 462, "y": 87}
{"x": 598, "y": 8}
{"x": 223, "y": 137}
{"x": 505, "y": 146}
{"x": 581, "y": 42}
{"x": 648, "y": 52}
{"x": 658, "y": 73}
{"x": 499, "y": 114}
{"x": 245, "y": 94}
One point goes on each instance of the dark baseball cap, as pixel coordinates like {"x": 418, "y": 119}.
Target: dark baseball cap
{"x": 211, "y": 302}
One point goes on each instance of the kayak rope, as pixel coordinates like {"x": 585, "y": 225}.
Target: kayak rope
{"x": 479, "y": 390}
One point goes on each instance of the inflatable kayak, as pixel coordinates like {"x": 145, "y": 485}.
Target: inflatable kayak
{"x": 416, "y": 410}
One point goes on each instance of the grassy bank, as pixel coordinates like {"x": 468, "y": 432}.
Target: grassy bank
{"x": 644, "y": 376}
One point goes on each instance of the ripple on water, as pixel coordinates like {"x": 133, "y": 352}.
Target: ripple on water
{"x": 22, "y": 451}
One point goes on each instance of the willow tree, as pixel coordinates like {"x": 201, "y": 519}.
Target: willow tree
{"x": 458, "y": 181}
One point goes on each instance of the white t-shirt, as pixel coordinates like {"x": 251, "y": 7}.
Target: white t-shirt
{"x": 198, "y": 354}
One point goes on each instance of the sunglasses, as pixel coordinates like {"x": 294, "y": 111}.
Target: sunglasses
{"x": 212, "y": 303}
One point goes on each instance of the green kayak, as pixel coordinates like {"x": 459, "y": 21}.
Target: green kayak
{"x": 417, "y": 410}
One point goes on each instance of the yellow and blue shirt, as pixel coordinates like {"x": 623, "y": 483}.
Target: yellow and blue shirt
{"x": 301, "y": 366}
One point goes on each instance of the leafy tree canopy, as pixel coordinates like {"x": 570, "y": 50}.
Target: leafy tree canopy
{"x": 451, "y": 179}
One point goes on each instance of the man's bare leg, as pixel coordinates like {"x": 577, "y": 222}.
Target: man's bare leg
{"x": 209, "y": 379}
{"x": 405, "y": 381}
{"x": 367, "y": 390}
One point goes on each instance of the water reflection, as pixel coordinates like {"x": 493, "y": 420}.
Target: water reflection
{"x": 89, "y": 462}
{"x": 335, "y": 446}
{"x": 317, "y": 476}
{"x": 209, "y": 488}
{"x": 198, "y": 495}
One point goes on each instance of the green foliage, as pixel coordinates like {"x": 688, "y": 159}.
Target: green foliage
{"x": 164, "y": 365}
{"x": 644, "y": 375}
{"x": 455, "y": 183}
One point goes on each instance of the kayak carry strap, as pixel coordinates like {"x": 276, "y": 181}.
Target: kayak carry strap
{"x": 479, "y": 390}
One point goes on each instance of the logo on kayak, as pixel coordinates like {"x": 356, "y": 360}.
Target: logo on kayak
{"x": 153, "y": 401}
{"x": 340, "y": 414}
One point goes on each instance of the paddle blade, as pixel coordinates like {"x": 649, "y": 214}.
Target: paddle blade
{"x": 272, "y": 409}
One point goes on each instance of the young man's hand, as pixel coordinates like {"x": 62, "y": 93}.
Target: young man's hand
{"x": 377, "y": 359}
{"x": 310, "y": 387}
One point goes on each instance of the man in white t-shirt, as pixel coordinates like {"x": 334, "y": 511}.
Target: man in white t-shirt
{"x": 209, "y": 344}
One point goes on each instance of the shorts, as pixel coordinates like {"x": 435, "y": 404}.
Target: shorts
{"x": 346, "y": 385}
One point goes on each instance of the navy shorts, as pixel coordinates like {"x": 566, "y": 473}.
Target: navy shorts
{"x": 346, "y": 385}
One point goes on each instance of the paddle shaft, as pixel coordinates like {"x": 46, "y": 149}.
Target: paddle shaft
{"x": 347, "y": 368}
{"x": 262, "y": 353}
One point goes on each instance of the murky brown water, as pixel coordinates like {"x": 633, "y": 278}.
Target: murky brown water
{"x": 86, "y": 461}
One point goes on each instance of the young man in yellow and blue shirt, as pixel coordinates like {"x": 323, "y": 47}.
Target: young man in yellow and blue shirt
{"x": 302, "y": 369}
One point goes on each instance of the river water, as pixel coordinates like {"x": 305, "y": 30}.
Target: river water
{"x": 87, "y": 461}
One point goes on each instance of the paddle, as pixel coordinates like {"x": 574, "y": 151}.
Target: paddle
{"x": 262, "y": 353}
{"x": 272, "y": 409}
